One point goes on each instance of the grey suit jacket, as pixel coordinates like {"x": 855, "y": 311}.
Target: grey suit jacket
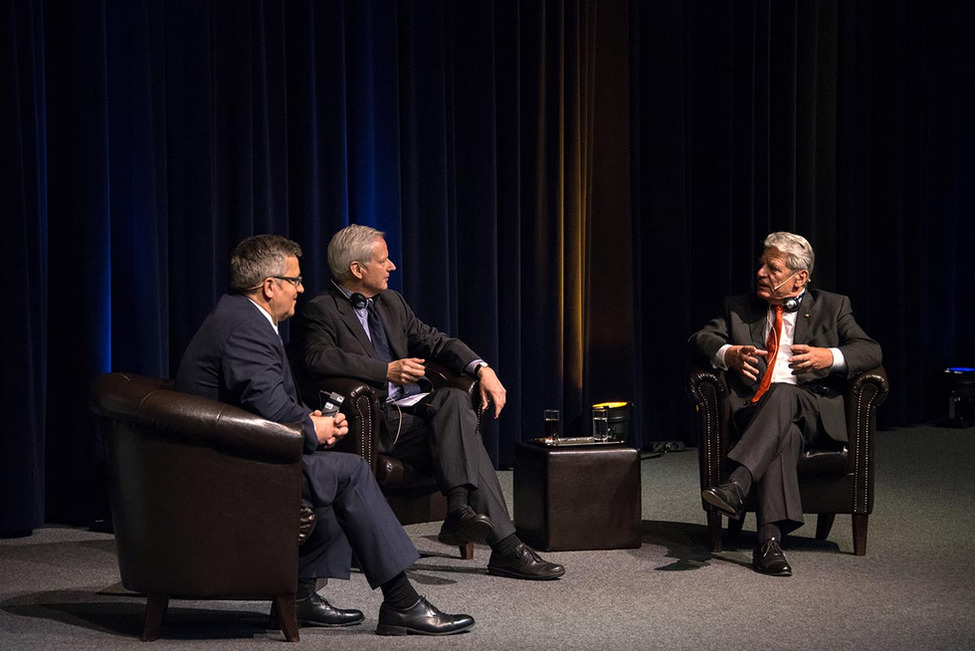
{"x": 824, "y": 320}
{"x": 337, "y": 346}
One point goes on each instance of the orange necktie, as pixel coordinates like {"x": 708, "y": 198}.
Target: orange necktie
{"x": 772, "y": 346}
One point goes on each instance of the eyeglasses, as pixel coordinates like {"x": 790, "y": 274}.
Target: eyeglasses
{"x": 294, "y": 280}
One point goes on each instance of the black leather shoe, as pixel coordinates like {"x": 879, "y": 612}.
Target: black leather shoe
{"x": 422, "y": 618}
{"x": 524, "y": 563}
{"x": 768, "y": 558}
{"x": 315, "y": 611}
{"x": 728, "y": 498}
{"x": 463, "y": 526}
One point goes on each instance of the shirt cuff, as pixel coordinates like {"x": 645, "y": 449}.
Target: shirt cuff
{"x": 718, "y": 360}
{"x": 839, "y": 362}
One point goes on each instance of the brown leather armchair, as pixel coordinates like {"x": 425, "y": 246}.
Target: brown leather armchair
{"x": 412, "y": 493}
{"x": 205, "y": 498}
{"x": 830, "y": 481}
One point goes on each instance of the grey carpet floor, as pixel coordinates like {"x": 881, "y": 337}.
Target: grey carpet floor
{"x": 915, "y": 588}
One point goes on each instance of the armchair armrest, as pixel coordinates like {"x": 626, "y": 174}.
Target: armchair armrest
{"x": 864, "y": 393}
{"x": 361, "y": 407}
{"x": 709, "y": 393}
{"x": 441, "y": 376}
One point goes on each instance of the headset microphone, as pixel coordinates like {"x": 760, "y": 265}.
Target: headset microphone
{"x": 779, "y": 286}
{"x": 790, "y": 304}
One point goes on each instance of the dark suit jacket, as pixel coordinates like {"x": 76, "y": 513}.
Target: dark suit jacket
{"x": 336, "y": 344}
{"x": 237, "y": 358}
{"x": 824, "y": 320}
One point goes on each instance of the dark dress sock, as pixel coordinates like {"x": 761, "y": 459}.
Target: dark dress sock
{"x": 768, "y": 531}
{"x": 306, "y": 587}
{"x": 743, "y": 478}
{"x": 457, "y": 498}
{"x": 507, "y": 545}
{"x": 399, "y": 593}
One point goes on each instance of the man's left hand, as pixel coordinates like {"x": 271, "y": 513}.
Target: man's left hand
{"x": 491, "y": 390}
{"x": 330, "y": 429}
{"x": 807, "y": 359}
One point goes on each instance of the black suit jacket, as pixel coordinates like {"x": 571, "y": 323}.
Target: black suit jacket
{"x": 824, "y": 320}
{"x": 236, "y": 357}
{"x": 337, "y": 346}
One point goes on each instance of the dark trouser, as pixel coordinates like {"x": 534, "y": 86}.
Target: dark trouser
{"x": 352, "y": 515}
{"x": 440, "y": 434}
{"x": 774, "y": 433}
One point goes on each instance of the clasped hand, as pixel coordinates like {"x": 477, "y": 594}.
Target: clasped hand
{"x": 329, "y": 429}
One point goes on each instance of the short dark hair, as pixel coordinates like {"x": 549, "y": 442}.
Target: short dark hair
{"x": 260, "y": 257}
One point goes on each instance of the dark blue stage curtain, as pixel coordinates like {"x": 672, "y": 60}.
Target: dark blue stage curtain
{"x": 568, "y": 185}
{"x": 165, "y": 132}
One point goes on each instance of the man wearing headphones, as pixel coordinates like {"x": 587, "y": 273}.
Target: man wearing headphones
{"x": 787, "y": 350}
{"x": 360, "y": 328}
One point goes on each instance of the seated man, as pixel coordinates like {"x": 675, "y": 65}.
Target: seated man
{"x": 237, "y": 357}
{"x": 787, "y": 351}
{"x": 359, "y": 328}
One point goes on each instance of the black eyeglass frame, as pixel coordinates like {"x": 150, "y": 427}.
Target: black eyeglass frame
{"x": 294, "y": 280}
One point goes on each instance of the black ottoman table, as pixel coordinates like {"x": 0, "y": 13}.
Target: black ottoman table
{"x": 577, "y": 495}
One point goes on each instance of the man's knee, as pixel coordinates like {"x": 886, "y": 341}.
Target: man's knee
{"x": 455, "y": 397}
{"x": 348, "y": 465}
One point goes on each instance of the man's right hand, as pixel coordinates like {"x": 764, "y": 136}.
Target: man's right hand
{"x": 329, "y": 429}
{"x": 405, "y": 371}
{"x": 744, "y": 360}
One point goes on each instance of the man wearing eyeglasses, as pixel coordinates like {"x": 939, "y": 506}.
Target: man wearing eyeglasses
{"x": 237, "y": 357}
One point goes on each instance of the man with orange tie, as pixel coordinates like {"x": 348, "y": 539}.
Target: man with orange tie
{"x": 787, "y": 350}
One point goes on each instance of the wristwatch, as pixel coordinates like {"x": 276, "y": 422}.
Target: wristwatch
{"x": 477, "y": 369}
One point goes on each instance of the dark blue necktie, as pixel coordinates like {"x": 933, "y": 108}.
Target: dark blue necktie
{"x": 378, "y": 333}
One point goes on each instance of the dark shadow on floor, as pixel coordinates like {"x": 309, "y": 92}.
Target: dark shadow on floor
{"x": 123, "y": 616}
{"x": 685, "y": 543}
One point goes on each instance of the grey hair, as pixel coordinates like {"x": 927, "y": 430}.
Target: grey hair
{"x": 352, "y": 243}
{"x": 798, "y": 250}
{"x": 260, "y": 257}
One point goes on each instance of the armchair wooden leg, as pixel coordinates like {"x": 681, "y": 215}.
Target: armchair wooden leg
{"x": 824, "y": 524}
{"x": 467, "y": 551}
{"x": 287, "y": 613}
{"x": 714, "y": 530}
{"x": 156, "y": 605}
{"x": 860, "y": 533}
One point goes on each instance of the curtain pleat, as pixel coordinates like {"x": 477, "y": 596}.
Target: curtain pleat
{"x": 571, "y": 186}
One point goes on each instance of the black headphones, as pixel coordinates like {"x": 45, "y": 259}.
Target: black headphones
{"x": 358, "y": 300}
{"x": 791, "y": 304}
